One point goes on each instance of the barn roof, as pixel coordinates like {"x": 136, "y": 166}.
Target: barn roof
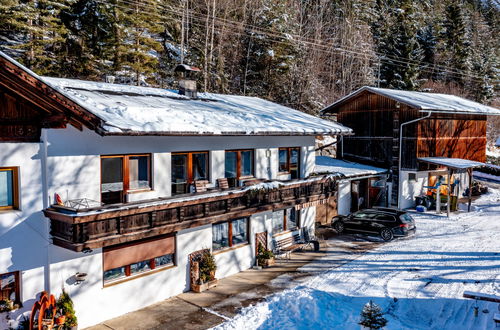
{"x": 443, "y": 103}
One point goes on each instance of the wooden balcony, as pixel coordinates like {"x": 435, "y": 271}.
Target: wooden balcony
{"x": 119, "y": 223}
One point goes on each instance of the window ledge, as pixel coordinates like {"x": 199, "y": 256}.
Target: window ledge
{"x": 133, "y": 277}
{"x": 235, "y": 247}
{"x": 137, "y": 191}
{"x": 288, "y": 231}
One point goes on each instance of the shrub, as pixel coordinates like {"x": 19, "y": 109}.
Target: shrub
{"x": 207, "y": 267}
{"x": 372, "y": 316}
{"x": 65, "y": 305}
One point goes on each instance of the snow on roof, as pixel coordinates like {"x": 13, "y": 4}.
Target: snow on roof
{"x": 457, "y": 163}
{"x": 325, "y": 164}
{"x": 426, "y": 101}
{"x": 129, "y": 109}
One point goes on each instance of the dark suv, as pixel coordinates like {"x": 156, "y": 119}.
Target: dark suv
{"x": 386, "y": 222}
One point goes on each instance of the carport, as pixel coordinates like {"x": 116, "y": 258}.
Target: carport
{"x": 454, "y": 165}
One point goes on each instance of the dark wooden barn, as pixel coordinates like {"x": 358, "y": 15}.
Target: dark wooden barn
{"x": 437, "y": 125}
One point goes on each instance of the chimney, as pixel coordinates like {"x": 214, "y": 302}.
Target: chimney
{"x": 187, "y": 82}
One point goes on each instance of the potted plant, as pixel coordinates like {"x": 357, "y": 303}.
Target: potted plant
{"x": 206, "y": 270}
{"x": 65, "y": 306}
{"x": 265, "y": 257}
{"x": 6, "y": 305}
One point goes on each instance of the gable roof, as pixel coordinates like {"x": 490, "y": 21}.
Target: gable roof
{"x": 52, "y": 104}
{"x": 134, "y": 110}
{"x": 423, "y": 101}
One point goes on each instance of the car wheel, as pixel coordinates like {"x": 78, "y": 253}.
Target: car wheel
{"x": 386, "y": 234}
{"x": 338, "y": 226}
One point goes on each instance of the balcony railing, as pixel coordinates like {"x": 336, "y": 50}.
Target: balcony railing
{"x": 119, "y": 223}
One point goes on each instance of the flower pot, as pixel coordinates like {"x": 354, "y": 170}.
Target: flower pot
{"x": 60, "y": 320}
{"x": 204, "y": 286}
{"x": 267, "y": 262}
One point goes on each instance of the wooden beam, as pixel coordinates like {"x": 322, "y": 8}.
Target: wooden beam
{"x": 481, "y": 296}
{"x": 469, "y": 171}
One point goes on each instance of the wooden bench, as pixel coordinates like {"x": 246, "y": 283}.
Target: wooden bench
{"x": 251, "y": 182}
{"x": 288, "y": 245}
{"x": 200, "y": 186}
{"x": 223, "y": 183}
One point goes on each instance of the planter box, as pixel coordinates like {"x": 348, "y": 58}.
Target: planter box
{"x": 267, "y": 262}
{"x": 205, "y": 286}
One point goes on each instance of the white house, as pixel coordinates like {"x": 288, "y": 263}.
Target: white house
{"x": 125, "y": 161}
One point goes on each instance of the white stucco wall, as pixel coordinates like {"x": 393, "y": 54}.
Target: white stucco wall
{"x": 73, "y": 171}
{"x": 412, "y": 189}
{"x": 344, "y": 198}
{"x": 24, "y": 232}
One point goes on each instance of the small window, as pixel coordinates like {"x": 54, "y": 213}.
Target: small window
{"x": 130, "y": 259}
{"x": 283, "y": 220}
{"x": 412, "y": 177}
{"x": 385, "y": 217}
{"x": 230, "y": 233}
{"x": 188, "y": 167}
{"x": 9, "y": 287}
{"x": 289, "y": 159}
{"x": 238, "y": 164}
{"x": 9, "y": 188}
{"x": 123, "y": 174}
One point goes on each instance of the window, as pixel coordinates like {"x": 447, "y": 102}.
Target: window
{"x": 188, "y": 167}
{"x": 128, "y": 260}
{"x": 230, "y": 233}
{"x": 9, "y": 287}
{"x": 122, "y": 174}
{"x": 283, "y": 220}
{"x": 238, "y": 164}
{"x": 289, "y": 159}
{"x": 9, "y": 188}
{"x": 412, "y": 176}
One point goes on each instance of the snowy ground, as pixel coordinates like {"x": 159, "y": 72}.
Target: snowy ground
{"x": 418, "y": 282}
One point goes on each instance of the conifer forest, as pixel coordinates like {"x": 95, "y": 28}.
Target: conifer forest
{"x": 300, "y": 53}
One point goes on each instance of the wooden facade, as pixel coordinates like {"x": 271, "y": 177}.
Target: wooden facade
{"x": 376, "y": 121}
{"x": 121, "y": 223}
{"x": 27, "y": 105}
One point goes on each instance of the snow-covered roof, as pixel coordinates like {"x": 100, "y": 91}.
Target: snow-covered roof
{"x": 325, "y": 164}
{"x": 143, "y": 110}
{"x": 456, "y": 163}
{"x": 424, "y": 101}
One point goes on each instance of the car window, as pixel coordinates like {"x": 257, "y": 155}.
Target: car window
{"x": 363, "y": 215}
{"x": 385, "y": 217}
{"x": 406, "y": 218}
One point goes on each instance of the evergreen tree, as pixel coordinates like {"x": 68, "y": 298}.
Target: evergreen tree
{"x": 372, "y": 316}
{"x": 456, "y": 45}
{"x": 90, "y": 26}
{"x": 398, "y": 44}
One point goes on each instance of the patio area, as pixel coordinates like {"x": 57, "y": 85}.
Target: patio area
{"x": 204, "y": 310}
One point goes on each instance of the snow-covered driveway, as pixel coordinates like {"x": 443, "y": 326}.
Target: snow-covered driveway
{"x": 418, "y": 282}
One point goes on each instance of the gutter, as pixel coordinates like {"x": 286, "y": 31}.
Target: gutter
{"x": 45, "y": 202}
{"x": 429, "y": 113}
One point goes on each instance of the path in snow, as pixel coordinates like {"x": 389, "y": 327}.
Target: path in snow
{"x": 417, "y": 281}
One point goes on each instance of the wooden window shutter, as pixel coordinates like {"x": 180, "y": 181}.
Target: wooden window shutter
{"x": 123, "y": 255}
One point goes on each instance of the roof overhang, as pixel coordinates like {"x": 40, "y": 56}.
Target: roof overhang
{"x": 452, "y": 163}
{"x": 393, "y": 94}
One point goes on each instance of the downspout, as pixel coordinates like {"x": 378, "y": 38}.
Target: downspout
{"x": 429, "y": 113}
{"x": 45, "y": 202}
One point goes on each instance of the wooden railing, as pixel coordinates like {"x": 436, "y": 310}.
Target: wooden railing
{"x": 120, "y": 223}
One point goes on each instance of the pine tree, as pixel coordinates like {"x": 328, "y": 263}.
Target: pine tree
{"x": 398, "y": 44}
{"x": 90, "y": 26}
{"x": 456, "y": 44}
{"x": 137, "y": 41}
{"x": 372, "y": 316}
